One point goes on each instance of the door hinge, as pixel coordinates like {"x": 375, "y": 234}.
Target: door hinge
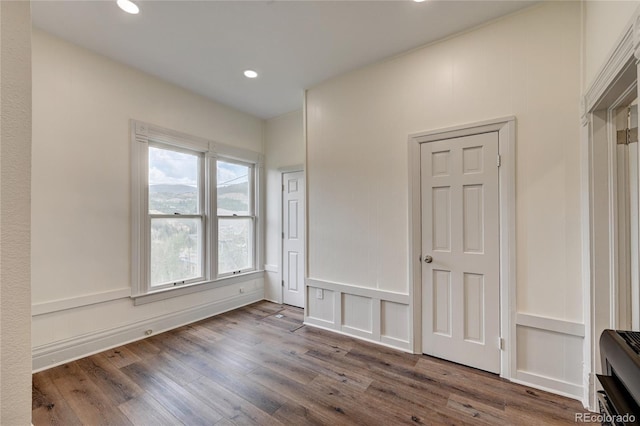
{"x": 499, "y": 160}
{"x": 283, "y": 235}
{"x": 627, "y": 136}
{"x": 282, "y": 283}
{"x": 283, "y": 188}
{"x": 501, "y": 343}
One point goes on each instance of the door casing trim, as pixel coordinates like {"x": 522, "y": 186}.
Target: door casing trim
{"x": 506, "y": 128}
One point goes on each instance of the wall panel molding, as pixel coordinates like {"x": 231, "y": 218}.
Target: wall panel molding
{"x": 78, "y": 301}
{"x": 360, "y": 291}
{"x": 337, "y": 304}
{"x": 550, "y": 355}
{"x": 550, "y": 324}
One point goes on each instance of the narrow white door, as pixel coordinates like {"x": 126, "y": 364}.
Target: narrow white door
{"x": 460, "y": 249}
{"x": 293, "y": 238}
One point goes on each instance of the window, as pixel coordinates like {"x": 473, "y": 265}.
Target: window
{"x": 236, "y": 222}
{"x": 176, "y": 216}
{"x": 194, "y": 211}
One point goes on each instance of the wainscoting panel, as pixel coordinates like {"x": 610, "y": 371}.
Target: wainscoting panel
{"x": 366, "y": 313}
{"x": 356, "y": 313}
{"x": 550, "y": 354}
{"x": 321, "y": 305}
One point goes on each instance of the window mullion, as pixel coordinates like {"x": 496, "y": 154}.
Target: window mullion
{"x": 212, "y": 206}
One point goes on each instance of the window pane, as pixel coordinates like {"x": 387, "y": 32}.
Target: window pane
{"x": 235, "y": 245}
{"x": 176, "y": 247}
{"x": 233, "y": 189}
{"x": 173, "y": 182}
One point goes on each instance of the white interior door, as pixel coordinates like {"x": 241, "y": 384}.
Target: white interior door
{"x": 460, "y": 250}
{"x": 293, "y": 238}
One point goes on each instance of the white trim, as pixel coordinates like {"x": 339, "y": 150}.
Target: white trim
{"x": 236, "y": 153}
{"x": 291, "y": 169}
{"x": 358, "y": 332}
{"x": 168, "y": 293}
{"x": 51, "y": 306}
{"x": 326, "y": 325}
{"x": 369, "y": 292}
{"x": 548, "y": 384}
{"x": 586, "y": 263}
{"x": 271, "y": 268}
{"x": 305, "y": 138}
{"x": 461, "y": 130}
{"x": 415, "y": 246}
{"x": 60, "y": 352}
{"x": 393, "y": 342}
{"x": 618, "y": 59}
{"x": 149, "y": 132}
{"x": 506, "y": 128}
{"x": 550, "y": 324}
{"x": 320, "y": 323}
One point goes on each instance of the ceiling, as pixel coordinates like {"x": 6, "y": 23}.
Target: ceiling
{"x": 205, "y": 46}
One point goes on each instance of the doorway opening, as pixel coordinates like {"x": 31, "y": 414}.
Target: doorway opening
{"x": 626, "y": 299}
{"x": 610, "y": 212}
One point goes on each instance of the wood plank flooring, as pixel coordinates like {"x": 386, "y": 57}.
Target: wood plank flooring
{"x": 251, "y": 366}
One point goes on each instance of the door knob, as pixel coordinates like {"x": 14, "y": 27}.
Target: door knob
{"x": 428, "y": 259}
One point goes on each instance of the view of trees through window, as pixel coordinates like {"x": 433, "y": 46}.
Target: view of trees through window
{"x": 177, "y": 220}
{"x": 176, "y": 242}
{"x": 235, "y": 224}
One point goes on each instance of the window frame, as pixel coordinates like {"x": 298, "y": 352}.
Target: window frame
{"x": 145, "y": 135}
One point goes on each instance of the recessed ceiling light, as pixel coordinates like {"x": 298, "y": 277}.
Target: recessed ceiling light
{"x": 250, "y": 74}
{"x": 128, "y": 6}
{"x": 418, "y": 1}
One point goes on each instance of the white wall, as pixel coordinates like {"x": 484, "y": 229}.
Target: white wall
{"x": 15, "y": 183}
{"x": 82, "y": 104}
{"x": 527, "y": 65}
{"x": 284, "y": 147}
{"x": 603, "y": 24}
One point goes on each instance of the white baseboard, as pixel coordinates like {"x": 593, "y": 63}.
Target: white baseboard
{"x": 60, "y": 352}
{"x": 328, "y": 327}
{"x": 393, "y": 342}
{"x": 548, "y": 384}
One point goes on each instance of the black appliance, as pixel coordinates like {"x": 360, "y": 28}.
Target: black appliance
{"x": 619, "y": 402}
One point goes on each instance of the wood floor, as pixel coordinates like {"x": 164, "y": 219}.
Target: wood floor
{"x": 260, "y": 365}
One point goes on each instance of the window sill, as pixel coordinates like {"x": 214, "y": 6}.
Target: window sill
{"x": 169, "y": 293}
